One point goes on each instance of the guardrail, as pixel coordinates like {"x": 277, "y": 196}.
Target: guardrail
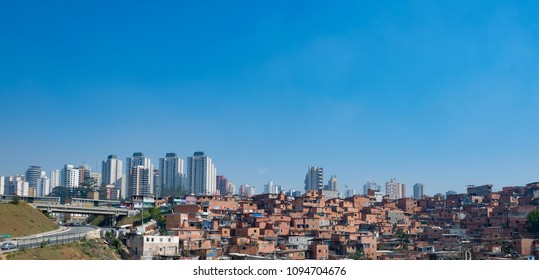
{"x": 34, "y": 242}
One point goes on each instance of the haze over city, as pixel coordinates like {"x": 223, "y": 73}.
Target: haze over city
{"x": 444, "y": 94}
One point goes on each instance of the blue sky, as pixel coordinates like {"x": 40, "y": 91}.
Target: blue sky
{"x": 443, "y": 93}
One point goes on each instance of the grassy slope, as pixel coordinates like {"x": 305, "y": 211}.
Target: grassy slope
{"x": 87, "y": 250}
{"x": 98, "y": 220}
{"x": 131, "y": 220}
{"x": 22, "y": 219}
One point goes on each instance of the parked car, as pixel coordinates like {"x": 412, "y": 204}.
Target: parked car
{"x": 8, "y": 246}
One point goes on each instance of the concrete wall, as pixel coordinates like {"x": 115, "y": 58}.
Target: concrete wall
{"x": 94, "y": 234}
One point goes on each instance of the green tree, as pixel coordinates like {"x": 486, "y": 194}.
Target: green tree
{"x": 403, "y": 238}
{"x": 358, "y": 255}
{"x": 507, "y": 247}
{"x": 157, "y": 215}
{"x": 533, "y": 221}
{"x": 176, "y": 192}
{"x": 61, "y": 192}
{"x": 15, "y": 199}
{"x": 89, "y": 185}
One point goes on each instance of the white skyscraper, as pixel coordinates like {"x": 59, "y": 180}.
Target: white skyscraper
{"x": 140, "y": 175}
{"x": 156, "y": 181}
{"x": 171, "y": 173}
{"x": 32, "y": 175}
{"x": 139, "y": 181}
{"x": 350, "y": 191}
{"x": 55, "y": 179}
{"x": 231, "y": 188}
{"x": 333, "y": 184}
{"x": 251, "y": 190}
{"x": 111, "y": 174}
{"x": 243, "y": 190}
{"x": 247, "y": 190}
{"x": 2, "y": 184}
{"x": 123, "y": 186}
{"x": 201, "y": 174}
{"x": 314, "y": 179}
{"x": 70, "y": 176}
{"x": 43, "y": 186}
{"x": 271, "y": 188}
{"x": 16, "y": 186}
{"x": 394, "y": 189}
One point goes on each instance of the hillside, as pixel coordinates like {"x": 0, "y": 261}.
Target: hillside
{"x": 131, "y": 220}
{"x": 94, "y": 249}
{"x": 22, "y": 220}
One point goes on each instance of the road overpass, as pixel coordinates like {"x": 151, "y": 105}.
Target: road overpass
{"x": 54, "y": 208}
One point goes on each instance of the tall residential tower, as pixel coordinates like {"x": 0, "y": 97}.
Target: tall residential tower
{"x": 333, "y": 184}
{"x": 395, "y": 190}
{"x": 69, "y": 176}
{"x": 314, "y": 179}
{"x": 418, "y": 191}
{"x": 33, "y": 174}
{"x": 111, "y": 174}
{"x": 139, "y": 170}
{"x": 223, "y": 185}
{"x": 201, "y": 174}
{"x": 170, "y": 174}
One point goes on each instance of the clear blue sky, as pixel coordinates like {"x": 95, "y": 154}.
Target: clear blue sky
{"x": 440, "y": 92}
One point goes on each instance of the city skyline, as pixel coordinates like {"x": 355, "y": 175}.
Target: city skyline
{"x": 360, "y": 189}
{"x": 442, "y": 94}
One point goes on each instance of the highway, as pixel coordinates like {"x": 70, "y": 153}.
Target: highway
{"x": 72, "y": 234}
{"x": 81, "y": 209}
